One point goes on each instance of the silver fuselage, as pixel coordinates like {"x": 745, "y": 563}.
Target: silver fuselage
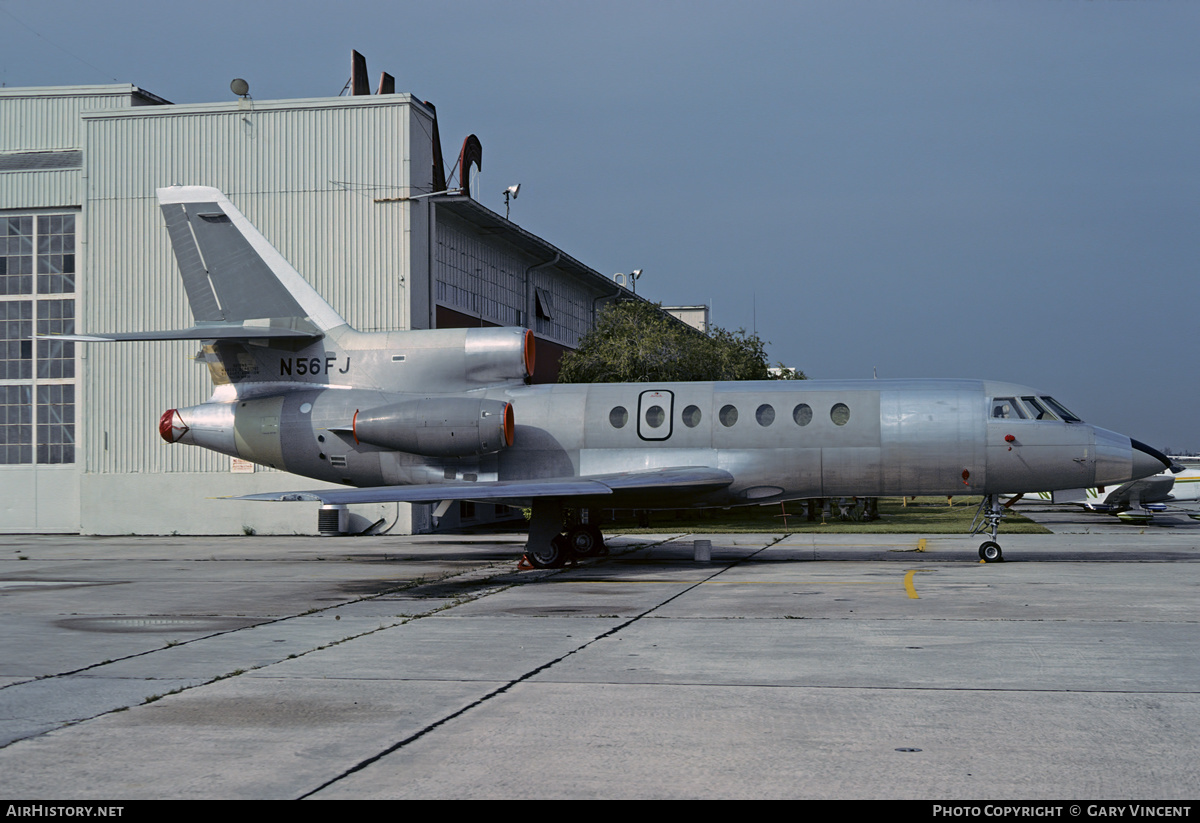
{"x": 780, "y": 440}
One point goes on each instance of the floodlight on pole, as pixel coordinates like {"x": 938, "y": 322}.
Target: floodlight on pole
{"x": 511, "y": 191}
{"x": 628, "y": 281}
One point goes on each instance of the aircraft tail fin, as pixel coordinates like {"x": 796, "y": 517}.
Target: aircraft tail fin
{"x": 235, "y": 279}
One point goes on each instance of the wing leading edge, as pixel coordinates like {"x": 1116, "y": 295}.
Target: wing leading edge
{"x": 685, "y": 481}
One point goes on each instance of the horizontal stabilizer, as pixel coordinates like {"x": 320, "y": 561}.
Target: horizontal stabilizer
{"x": 685, "y": 481}
{"x": 223, "y": 332}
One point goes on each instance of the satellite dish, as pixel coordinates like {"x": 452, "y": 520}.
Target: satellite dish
{"x": 239, "y": 87}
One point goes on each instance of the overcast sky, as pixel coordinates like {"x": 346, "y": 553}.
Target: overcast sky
{"x": 928, "y": 189}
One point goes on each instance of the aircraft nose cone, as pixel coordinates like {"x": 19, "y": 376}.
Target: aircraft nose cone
{"x": 1147, "y": 461}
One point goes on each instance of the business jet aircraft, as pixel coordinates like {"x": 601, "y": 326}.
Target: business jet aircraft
{"x": 446, "y": 414}
{"x": 1175, "y": 491}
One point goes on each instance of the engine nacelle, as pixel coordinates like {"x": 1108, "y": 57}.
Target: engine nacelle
{"x": 448, "y": 360}
{"x": 438, "y": 427}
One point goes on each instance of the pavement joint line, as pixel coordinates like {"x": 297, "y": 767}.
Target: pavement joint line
{"x": 395, "y": 747}
{"x": 237, "y": 672}
{"x": 486, "y": 572}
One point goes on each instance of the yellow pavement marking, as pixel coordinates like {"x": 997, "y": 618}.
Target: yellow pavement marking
{"x": 908, "y": 583}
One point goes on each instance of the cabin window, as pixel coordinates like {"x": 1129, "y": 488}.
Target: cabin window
{"x": 1007, "y": 408}
{"x": 765, "y": 415}
{"x": 691, "y": 417}
{"x": 802, "y": 414}
{"x": 618, "y": 417}
{"x": 655, "y": 416}
{"x": 728, "y": 415}
{"x": 840, "y": 414}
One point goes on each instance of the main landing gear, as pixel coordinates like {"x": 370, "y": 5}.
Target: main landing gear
{"x": 988, "y": 518}
{"x": 548, "y": 548}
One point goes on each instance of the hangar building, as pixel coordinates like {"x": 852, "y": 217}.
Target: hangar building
{"x": 347, "y": 188}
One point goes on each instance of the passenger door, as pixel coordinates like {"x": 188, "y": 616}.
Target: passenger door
{"x": 654, "y": 414}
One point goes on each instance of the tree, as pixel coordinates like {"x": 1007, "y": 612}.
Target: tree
{"x": 634, "y": 342}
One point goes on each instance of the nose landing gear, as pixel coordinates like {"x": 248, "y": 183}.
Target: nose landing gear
{"x": 990, "y": 552}
{"x": 988, "y": 518}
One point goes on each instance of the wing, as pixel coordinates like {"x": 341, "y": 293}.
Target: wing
{"x": 641, "y": 489}
{"x": 1146, "y": 490}
{"x": 1187, "y": 487}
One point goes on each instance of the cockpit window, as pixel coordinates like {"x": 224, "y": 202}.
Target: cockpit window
{"x": 1007, "y": 408}
{"x": 1038, "y": 409}
{"x": 1061, "y": 410}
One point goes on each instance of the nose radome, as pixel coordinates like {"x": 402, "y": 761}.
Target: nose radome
{"x": 1147, "y": 461}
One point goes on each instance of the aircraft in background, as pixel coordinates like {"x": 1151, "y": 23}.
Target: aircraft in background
{"x": 1174, "y": 491}
{"x": 434, "y": 416}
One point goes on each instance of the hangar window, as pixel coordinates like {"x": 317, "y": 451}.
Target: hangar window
{"x": 16, "y": 326}
{"x": 840, "y": 414}
{"x": 545, "y": 306}
{"x": 37, "y": 378}
{"x": 655, "y": 416}
{"x": 691, "y": 417}
{"x": 728, "y": 415}
{"x": 16, "y": 255}
{"x": 802, "y": 414}
{"x": 618, "y": 417}
{"x": 56, "y": 424}
{"x": 56, "y": 254}
{"x": 56, "y": 358}
{"x": 16, "y": 432}
{"x": 765, "y": 415}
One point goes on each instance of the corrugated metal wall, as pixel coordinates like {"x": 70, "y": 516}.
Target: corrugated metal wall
{"x": 307, "y": 173}
{"x": 48, "y": 189}
{"x": 46, "y": 119}
{"x": 479, "y": 277}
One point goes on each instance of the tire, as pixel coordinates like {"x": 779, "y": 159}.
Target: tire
{"x": 585, "y": 541}
{"x": 550, "y": 557}
{"x": 990, "y": 552}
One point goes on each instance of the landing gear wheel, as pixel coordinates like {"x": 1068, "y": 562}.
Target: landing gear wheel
{"x": 990, "y": 552}
{"x": 585, "y": 541}
{"x": 550, "y": 557}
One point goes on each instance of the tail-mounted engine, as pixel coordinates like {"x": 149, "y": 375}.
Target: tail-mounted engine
{"x": 438, "y": 427}
{"x": 449, "y": 360}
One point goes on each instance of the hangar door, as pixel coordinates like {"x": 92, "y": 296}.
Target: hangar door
{"x": 39, "y": 477}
